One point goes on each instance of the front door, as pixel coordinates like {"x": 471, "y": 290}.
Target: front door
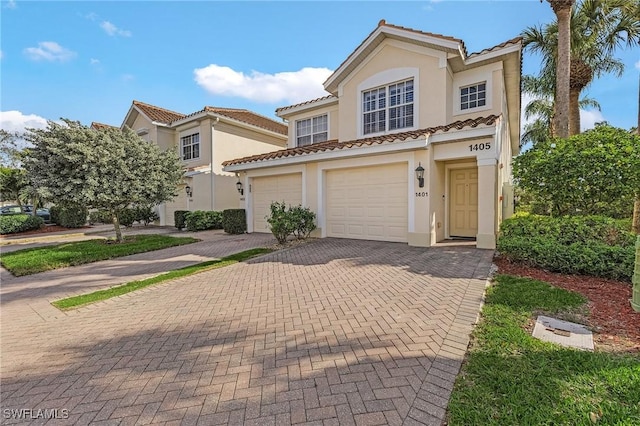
{"x": 463, "y": 203}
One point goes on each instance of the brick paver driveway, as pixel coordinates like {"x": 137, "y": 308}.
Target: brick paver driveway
{"x": 330, "y": 332}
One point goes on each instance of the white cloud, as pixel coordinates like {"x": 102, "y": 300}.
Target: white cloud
{"x": 16, "y": 121}
{"x": 637, "y": 64}
{"x": 11, "y": 4}
{"x": 588, "y": 119}
{"x": 292, "y": 87}
{"x": 112, "y": 30}
{"x": 1, "y": 54}
{"x": 94, "y": 61}
{"x": 49, "y": 51}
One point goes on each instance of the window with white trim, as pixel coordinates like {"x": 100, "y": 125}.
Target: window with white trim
{"x": 190, "y": 146}
{"x": 388, "y": 108}
{"x": 473, "y": 96}
{"x": 312, "y": 130}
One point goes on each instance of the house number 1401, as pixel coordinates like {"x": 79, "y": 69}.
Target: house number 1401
{"x": 479, "y": 146}
{"x": 421, "y": 194}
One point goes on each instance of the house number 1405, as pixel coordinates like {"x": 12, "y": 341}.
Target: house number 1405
{"x": 479, "y": 146}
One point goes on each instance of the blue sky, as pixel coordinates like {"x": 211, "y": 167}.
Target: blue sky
{"x": 87, "y": 60}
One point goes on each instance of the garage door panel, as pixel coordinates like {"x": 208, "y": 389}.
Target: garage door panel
{"x": 376, "y": 203}
{"x": 265, "y": 190}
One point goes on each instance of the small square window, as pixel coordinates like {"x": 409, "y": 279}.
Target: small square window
{"x": 473, "y": 96}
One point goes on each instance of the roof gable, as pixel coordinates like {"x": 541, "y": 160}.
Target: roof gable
{"x": 382, "y": 32}
{"x": 157, "y": 114}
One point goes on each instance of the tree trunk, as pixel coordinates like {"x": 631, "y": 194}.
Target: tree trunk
{"x": 635, "y": 223}
{"x": 574, "y": 111}
{"x": 562, "y": 9}
{"x": 116, "y": 226}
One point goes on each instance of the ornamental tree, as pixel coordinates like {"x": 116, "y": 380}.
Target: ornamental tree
{"x": 595, "y": 172}
{"x": 108, "y": 169}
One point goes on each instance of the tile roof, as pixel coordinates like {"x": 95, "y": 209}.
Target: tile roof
{"x": 497, "y": 46}
{"x": 284, "y": 108}
{"x": 101, "y": 126}
{"x": 158, "y": 114}
{"x": 251, "y": 118}
{"x": 335, "y": 144}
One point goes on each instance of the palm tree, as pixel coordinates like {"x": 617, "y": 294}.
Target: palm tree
{"x": 542, "y": 107}
{"x": 598, "y": 28}
{"x": 562, "y": 9}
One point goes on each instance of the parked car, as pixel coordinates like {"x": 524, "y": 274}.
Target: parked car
{"x": 15, "y": 209}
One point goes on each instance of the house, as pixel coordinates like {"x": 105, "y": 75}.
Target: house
{"x": 412, "y": 144}
{"x": 204, "y": 139}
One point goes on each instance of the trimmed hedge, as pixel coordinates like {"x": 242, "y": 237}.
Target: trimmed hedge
{"x": 201, "y": 220}
{"x": 10, "y": 224}
{"x": 179, "y": 218}
{"x": 234, "y": 221}
{"x": 69, "y": 215}
{"x": 588, "y": 245}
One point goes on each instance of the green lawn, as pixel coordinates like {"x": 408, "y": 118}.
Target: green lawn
{"x": 84, "y": 299}
{"x": 33, "y": 261}
{"x": 510, "y": 378}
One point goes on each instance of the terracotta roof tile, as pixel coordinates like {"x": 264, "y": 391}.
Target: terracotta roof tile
{"x": 101, "y": 126}
{"x": 335, "y": 144}
{"x": 158, "y": 114}
{"x": 305, "y": 103}
{"x": 498, "y": 46}
{"x": 251, "y": 118}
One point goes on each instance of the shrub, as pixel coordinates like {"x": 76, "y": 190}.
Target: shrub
{"x": 303, "y": 221}
{"x": 200, "y": 220}
{"x": 590, "y": 245}
{"x": 280, "y": 222}
{"x": 179, "y": 218}
{"x": 145, "y": 214}
{"x": 10, "y": 224}
{"x": 296, "y": 220}
{"x": 234, "y": 221}
{"x": 126, "y": 216}
{"x": 100, "y": 216}
{"x": 69, "y": 215}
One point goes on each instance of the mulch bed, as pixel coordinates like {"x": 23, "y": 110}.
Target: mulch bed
{"x": 615, "y": 324}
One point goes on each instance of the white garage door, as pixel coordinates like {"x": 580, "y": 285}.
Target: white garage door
{"x": 265, "y": 190}
{"x": 368, "y": 203}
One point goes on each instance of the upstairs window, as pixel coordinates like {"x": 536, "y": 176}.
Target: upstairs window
{"x": 388, "y": 108}
{"x": 312, "y": 130}
{"x": 473, "y": 96}
{"x": 190, "y": 146}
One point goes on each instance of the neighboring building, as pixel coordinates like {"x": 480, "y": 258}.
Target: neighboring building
{"x": 204, "y": 139}
{"x": 403, "y": 101}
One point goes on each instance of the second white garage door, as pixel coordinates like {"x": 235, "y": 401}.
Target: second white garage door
{"x": 265, "y": 190}
{"x": 369, "y": 203}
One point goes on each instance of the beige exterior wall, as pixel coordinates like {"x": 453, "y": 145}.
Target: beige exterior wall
{"x": 492, "y": 74}
{"x": 231, "y": 142}
{"x": 426, "y": 66}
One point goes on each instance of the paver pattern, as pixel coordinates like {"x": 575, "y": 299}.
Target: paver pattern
{"x": 330, "y": 332}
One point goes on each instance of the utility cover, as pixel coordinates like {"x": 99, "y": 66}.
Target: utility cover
{"x": 564, "y": 333}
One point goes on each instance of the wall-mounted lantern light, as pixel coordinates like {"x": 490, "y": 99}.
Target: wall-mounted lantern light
{"x": 420, "y": 175}
{"x": 239, "y": 187}
{"x": 189, "y": 191}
